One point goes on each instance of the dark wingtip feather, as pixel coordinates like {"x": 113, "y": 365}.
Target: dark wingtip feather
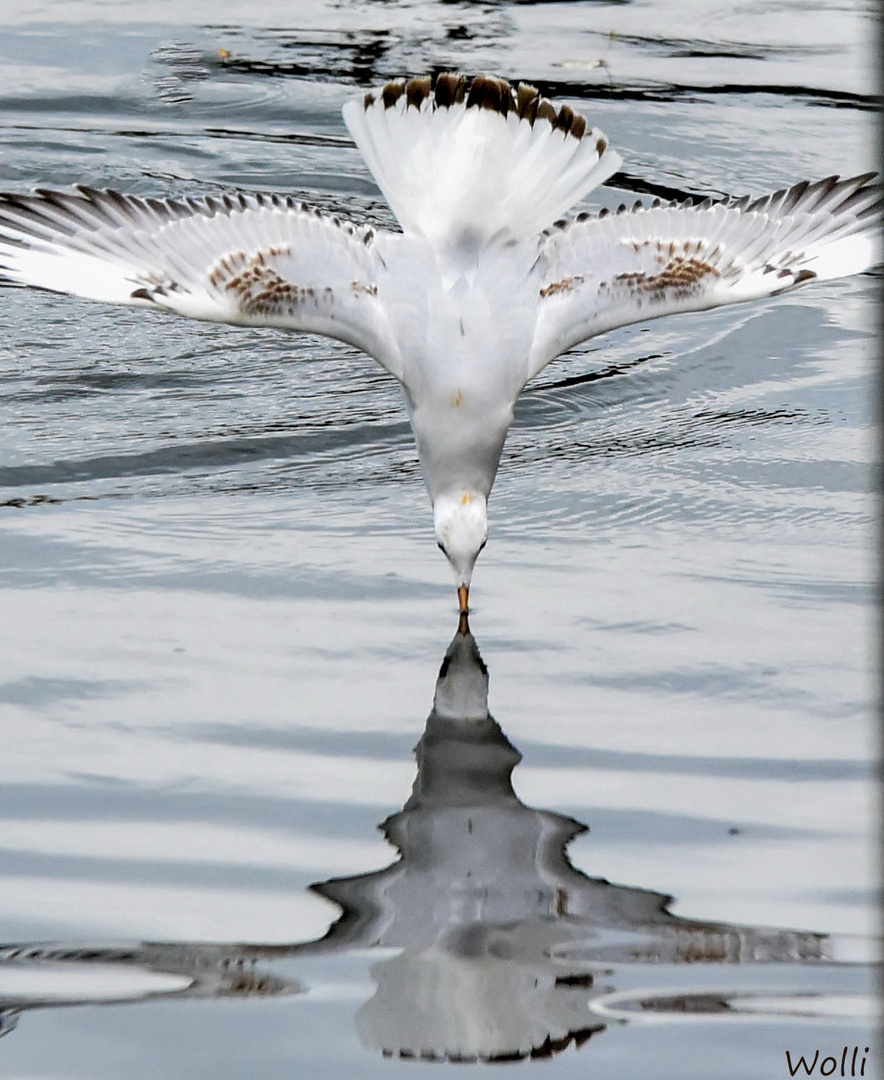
{"x": 417, "y": 91}
{"x": 545, "y": 111}
{"x": 486, "y": 92}
{"x": 391, "y": 94}
{"x": 449, "y": 90}
{"x": 564, "y": 119}
{"x": 527, "y": 100}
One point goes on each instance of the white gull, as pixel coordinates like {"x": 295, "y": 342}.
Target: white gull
{"x": 481, "y": 289}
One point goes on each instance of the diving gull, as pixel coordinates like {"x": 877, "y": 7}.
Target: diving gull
{"x": 484, "y": 285}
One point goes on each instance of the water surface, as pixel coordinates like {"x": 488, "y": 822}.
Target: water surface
{"x": 223, "y": 616}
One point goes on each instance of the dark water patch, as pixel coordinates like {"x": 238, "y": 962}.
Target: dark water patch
{"x": 60, "y": 105}
{"x": 295, "y": 138}
{"x": 640, "y": 827}
{"x": 676, "y": 92}
{"x": 58, "y": 387}
{"x": 799, "y": 770}
{"x": 24, "y": 502}
{"x": 369, "y": 746}
{"x": 46, "y": 563}
{"x": 593, "y": 376}
{"x": 206, "y": 874}
{"x": 104, "y": 800}
{"x": 673, "y": 432}
{"x": 752, "y": 682}
{"x": 209, "y": 454}
{"x": 39, "y": 692}
{"x": 853, "y": 897}
{"x": 810, "y": 592}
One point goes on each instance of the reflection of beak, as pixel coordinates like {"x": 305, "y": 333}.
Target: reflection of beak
{"x": 463, "y": 599}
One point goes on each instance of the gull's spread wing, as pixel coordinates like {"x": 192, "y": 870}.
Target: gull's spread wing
{"x": 601, "y": 272}
{"x": 252, "y": 260}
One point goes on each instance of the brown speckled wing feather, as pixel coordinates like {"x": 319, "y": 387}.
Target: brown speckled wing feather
{"x": 608, "y": 270}
{"x": 256, "y": 260}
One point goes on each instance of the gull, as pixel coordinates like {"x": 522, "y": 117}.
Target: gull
{"x": 484, "y": 285}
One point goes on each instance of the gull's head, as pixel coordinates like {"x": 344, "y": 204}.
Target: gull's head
{"x": 461, "y": 522}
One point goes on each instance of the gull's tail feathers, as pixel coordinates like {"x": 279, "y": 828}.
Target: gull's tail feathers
{"x": 464, "y": 163}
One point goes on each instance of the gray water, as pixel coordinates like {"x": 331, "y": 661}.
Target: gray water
{"x": 223, "y": 615}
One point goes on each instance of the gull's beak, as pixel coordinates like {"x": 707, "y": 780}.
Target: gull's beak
{"x": 463, "y": 609}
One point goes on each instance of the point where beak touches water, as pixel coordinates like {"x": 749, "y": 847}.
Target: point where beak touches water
{"x": 463, "y": 599}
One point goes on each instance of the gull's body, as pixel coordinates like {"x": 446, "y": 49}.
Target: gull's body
{"x": 480, "y": 290}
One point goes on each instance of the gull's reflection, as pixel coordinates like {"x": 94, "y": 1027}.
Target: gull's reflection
{"x": 503, "y": 946}
{"x": 492, "y": 945}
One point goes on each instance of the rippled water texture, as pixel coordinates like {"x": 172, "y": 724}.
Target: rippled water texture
{"x": 223, "y": 615}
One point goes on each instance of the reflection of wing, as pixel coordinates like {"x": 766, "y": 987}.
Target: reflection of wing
{"x": 254, "y": 260}
{"x": 614, "y": 269}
